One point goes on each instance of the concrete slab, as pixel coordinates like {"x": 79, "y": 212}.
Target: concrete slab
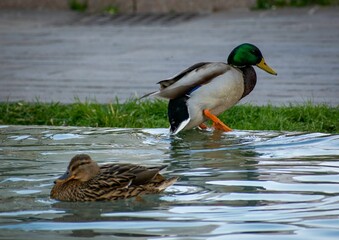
{"x": 52, "y": 56}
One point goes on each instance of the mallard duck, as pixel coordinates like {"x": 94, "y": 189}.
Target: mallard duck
{"x": 206, "y": 89}
{"x": 85, "y": 180}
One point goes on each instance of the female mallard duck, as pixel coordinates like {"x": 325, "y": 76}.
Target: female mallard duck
{"x": 85, "y": 180}
{"x": 206, "y": 89}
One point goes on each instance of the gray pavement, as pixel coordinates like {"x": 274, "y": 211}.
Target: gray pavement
{"x": 57, "y": 56}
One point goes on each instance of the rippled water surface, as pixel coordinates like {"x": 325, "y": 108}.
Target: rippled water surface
{"x": 239, "y": 185}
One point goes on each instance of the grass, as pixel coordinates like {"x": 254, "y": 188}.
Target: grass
{"x": 82, "y": 6}
{"x": 111, "y": 10}
{"x": 78, "y": 5}
{"x": 130, "y": 114}
{"x": 153, "y": 114}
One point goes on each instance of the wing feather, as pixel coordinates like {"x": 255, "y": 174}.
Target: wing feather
{"x": 168, "y": 82}
{"x": 196, "y": 75}
{"x": 122, "y": 174}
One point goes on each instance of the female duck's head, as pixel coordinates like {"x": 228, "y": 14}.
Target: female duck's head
{"x": 247, "y": 54}
{"x": 81, "y": 168}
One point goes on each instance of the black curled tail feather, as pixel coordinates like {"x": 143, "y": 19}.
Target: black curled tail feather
{"x": 177, "y": 112}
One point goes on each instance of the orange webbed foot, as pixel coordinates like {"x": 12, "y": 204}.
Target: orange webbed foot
{"x": 203, "y": 126}
{"x": 217, "y": 123}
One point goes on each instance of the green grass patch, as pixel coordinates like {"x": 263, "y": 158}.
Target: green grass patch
{"x": 153, "y": 114}
{"x": 111, "y": 10}
{"x": 78, "y": 5}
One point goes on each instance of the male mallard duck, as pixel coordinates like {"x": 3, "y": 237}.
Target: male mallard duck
{"x": 85, "y": 180}
{"x": 206, "y": 89}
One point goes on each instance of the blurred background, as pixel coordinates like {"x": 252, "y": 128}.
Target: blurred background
{"x": 68, "y": 50}
{"x": 128, "y": 6}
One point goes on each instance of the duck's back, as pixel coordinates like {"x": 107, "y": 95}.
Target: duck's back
{"x": 115, "y": 181}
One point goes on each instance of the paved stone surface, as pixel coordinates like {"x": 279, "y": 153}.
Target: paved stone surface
{"x": 55, "y": 56}
{"x": 140, "y": 6}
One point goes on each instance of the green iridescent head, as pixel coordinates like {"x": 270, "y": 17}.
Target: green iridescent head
{"x": 247, "y": 54}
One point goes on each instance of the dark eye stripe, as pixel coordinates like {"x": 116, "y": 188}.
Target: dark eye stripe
{"x": 73, "y": 167}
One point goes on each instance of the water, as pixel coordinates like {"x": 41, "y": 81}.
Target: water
{"x": 239, "y": 185}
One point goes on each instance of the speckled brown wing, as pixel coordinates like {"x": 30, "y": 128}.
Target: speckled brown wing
{"x": 115, "y": 181}
{"x": 138, "y": 174}
{"x": 119, "y": 181}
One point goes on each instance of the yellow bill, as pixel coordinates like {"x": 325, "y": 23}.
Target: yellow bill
{"x": 265, "y": 67}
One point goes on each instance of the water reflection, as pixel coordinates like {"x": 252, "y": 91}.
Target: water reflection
{"x": 243, "y": 184}
{"x": 219, "y": 156}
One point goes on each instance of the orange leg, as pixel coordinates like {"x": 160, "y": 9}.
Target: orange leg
{"x": 203, "y": 126}
{"x": 217, "y": 123}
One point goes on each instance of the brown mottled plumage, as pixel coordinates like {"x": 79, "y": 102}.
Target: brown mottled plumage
{"x": 85, "y": 180}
